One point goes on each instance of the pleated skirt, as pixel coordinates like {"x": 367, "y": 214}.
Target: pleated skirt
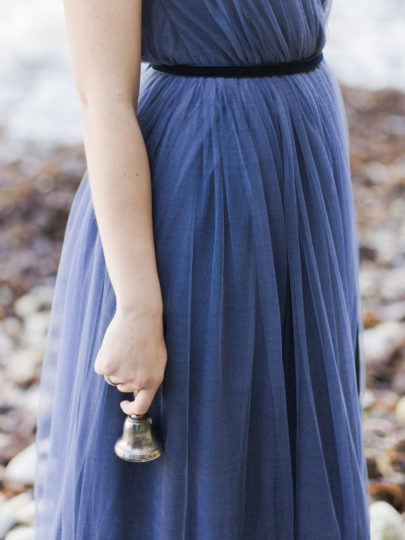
{"x": 260, "y": 407}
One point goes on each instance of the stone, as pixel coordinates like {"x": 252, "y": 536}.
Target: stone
{"x": 37, "y": 299}
{"x": 36, "y": 327}
{"x": 12, "y": 327}
{"x": 26, "y": 305}
{"x": 21, "y": 469}
{"x": 385, "y": 522}
{"x": 21, "y": 533}
{"x": 10, "y": 510}
{"x": 382, "y": 341}
{"x": 400, "y": 409}
{"x": 23, "y": 365}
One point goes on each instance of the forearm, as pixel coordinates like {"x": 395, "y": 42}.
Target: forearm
{"x": 120, "y": 183}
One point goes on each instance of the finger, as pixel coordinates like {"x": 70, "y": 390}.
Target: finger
{"x": 140, "y": 404}
{"x": 98, "y": 365}
{"x": 126, "y": 387}
{"x": 115, "y": 381}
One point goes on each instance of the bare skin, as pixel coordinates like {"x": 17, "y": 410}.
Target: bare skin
{"x": 105, "y": 46}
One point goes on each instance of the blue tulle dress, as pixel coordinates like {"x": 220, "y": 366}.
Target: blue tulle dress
{"x": 256, "y": 243}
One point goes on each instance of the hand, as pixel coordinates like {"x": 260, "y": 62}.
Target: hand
{"x": 133, "y": 352}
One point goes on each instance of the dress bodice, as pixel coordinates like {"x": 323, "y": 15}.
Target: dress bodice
{"x": 221, "y": 32}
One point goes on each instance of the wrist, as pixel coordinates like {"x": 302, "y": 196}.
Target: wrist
{"x": 140, "y": 306}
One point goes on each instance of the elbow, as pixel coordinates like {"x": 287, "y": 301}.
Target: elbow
{"x": 81, "y": 89}
{"x": 86, "y": 97}
{"x": 105, "y": 99}
{"x": 96, "y": 92}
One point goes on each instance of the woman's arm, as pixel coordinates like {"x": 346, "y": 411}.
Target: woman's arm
{"x": 105, "y": 45}
{"x": 104, "y": 39}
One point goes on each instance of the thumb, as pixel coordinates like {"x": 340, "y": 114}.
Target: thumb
{"x": 141, "y": 402}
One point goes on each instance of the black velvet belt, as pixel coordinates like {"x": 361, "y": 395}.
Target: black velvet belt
{"x": 250, "y": 70}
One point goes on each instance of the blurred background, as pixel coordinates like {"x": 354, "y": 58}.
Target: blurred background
{"x": 41, "y": 163}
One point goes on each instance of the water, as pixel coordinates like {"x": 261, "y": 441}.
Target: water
{"x": 365, "y": 42}
{"x": 38, "y": 102}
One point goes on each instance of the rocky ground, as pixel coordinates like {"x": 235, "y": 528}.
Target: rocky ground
{"x": 35, "y": 197}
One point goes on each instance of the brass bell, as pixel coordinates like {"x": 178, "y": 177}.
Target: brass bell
{"x": 139, "y": 441}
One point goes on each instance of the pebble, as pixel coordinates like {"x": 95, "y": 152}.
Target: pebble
{"x": 25, "y": 305}
{"x": 6, "y": 345}
{"x": 21, "y": 533}
{"x": 10, "y": 511}
{"x": 27, "y": 512}
{"x": 12, "y": 326}
{"x": 24, "y": 365}
{"x": 398, "y": 382}
{"x": 36, "y": 326}
{"x": 400, "y": 410}
{"x": 30, "y": 400}
{"x": 385, "y": 522}
{"x": 21, "y": 469}
{"x": 368, "y": 398}
{"x": 383, "y": 340}
{"x": 38, "y": 298}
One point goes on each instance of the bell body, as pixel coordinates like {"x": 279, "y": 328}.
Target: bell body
{"x": 139, "y": 442}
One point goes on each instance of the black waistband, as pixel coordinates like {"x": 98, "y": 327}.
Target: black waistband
{"x": 252, "y": 70}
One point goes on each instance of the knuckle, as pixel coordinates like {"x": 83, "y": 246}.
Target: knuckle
{"x": 124, "y": 387}
{"x": 98, "y": 368}
{"x": 100, "y": 362}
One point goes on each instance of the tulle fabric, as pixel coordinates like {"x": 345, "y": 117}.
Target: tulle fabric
{"x": 256, "y": 245}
